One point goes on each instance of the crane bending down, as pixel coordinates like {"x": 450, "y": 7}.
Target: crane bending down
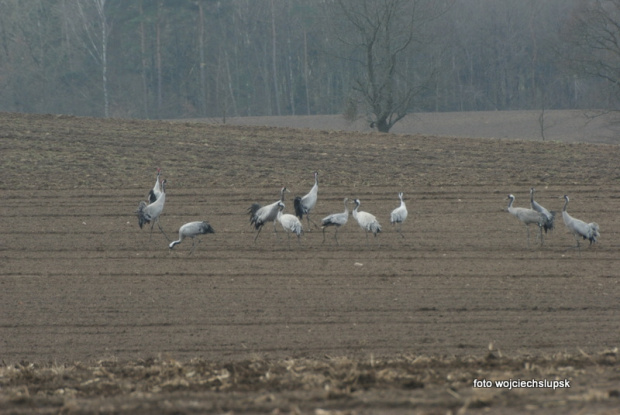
{"x": 549, "y": 217}
{"x": 259, "y": 215}
{"x": 155, "y": 192}
{"x": 367, "y": 222}
{"x": 527, "y": 217}
{"x": 303, "y": 205}
{"x": 150, "y": 213}
{"x": 290, "y": 223}
{"x": 579, "y": 228}
{"x": 399, "y": 214}
{"x": 337, "y": 220}
{"x": 191, "y": 230}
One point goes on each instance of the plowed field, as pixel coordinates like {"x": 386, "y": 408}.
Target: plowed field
{"x": 97, "y": 315}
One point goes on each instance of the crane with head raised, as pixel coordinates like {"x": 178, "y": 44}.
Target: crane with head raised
{"x": 527, "y": 217}
{"x": 399, "y": 214}
{"x": 155, "y": 192}
{"x": 150, "y": 213}
{"x": 304, "y": 204}
{"x": 549, "y": 217}
{"x": 579, "y": 228}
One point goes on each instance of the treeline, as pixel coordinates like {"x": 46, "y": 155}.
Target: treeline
{"x": 207, "y": 58}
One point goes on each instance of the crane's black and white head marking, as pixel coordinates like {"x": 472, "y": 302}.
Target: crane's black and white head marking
{"x": 281, "y": 206}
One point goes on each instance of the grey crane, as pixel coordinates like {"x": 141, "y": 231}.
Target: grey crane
{"x": 579, "y": 228}
{"x": 303, "y": 205}
{"x": 290, "y": 223}
{"x": 192, "y": 230}
{"x": 367, "y": 221}
{"x": 149, "y": 213}
{"x": 399, "y": 214}
{"x": 259, "y": 215}
{"x": 527, "y": 217}
{"x": 549, "y": 222}
{"x": 155, "y": 192}
{"x": 337, "y": 220}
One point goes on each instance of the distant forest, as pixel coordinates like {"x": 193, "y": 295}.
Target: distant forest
{"x": 203, "y": 58}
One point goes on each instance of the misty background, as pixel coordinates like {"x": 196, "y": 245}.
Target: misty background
{"x": 201, "y": 58}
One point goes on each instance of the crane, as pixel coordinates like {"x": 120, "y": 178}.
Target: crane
{"x": 366, "y": 221}
{"x": 303, "y": 205}
{"x": 399, "y": 214}
{"x": 290, "y": 223}
{"x": 150, "y": 213}
{"x": 336, "y": 219}
{"x": 579, "y": 228}
{"x": 527, "y": 217}
{"x": 549, "y": 222}
{"x": 155, "y": 192}
{"x": 191, "y": 230}
{"x": 259, "y": 215}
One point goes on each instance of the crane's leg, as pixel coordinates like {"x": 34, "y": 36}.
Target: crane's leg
{"x": 527, "y": 228}
{"x": 162, "y": 230}
{"x": 400, "y": 229}
{"x": 194, "y": 245}
{"x": 379, "y": 241}
{"x": 258, "y": 233}
{"x": 578, "y": 246}
{"x": 323, "y": 235}
{"x": 310, "y": 220}
{"x": 336, "y": 236}
{"x": 542, "y": 240}
{"x": 275, "y": 230}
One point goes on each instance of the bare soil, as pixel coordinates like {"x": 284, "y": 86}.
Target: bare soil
{"x": 98, "y": 316}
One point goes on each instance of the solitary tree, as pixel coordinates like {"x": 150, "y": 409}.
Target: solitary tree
{"x": 386, "y": 38}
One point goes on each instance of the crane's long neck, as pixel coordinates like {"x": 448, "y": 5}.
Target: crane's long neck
{"x": 532, "y": 195}
{"x": 565, "y": 204}
{"x": 315, "y": 188}
{"x": 510, "y": 200}
{"x": 162, "y": 198}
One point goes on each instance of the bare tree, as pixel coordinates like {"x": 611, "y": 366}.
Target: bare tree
{"x": 95, "y": 32}
{"x": 382, "y": 40}
{"x": 593, "y": 40}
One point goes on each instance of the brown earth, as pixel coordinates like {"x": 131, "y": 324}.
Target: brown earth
{"x": 98, "y": 316}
